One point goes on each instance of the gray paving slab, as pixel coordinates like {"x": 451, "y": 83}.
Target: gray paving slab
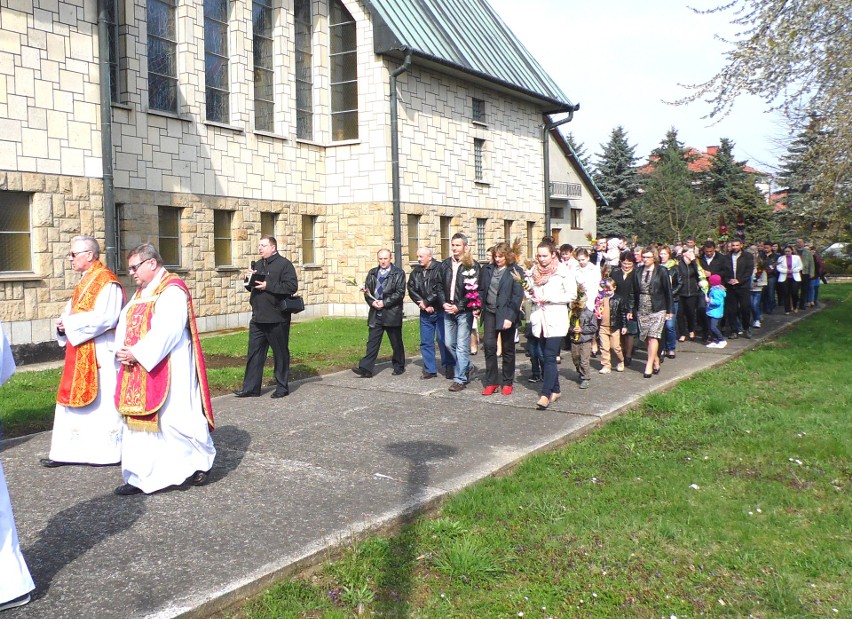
{"x": 293, "y": 479}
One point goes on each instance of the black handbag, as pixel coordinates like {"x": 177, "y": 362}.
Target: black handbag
{"x": 292, "y": 304}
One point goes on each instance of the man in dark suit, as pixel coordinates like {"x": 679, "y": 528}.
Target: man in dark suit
{"x": 739, "y": 265}
{"x": 384, "y": 290}
{"x": 712, "y": 263}
{"x": 269, "y": 281}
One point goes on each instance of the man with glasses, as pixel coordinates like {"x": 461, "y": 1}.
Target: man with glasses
{"x": 86, "y": 426}
{"x": 162, "y": 390}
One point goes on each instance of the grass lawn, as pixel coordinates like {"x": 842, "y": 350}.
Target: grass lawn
{"x": 727, "y": 496}
{"x": 316, "y": 347}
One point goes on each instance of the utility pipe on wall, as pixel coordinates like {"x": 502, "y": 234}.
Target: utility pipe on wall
{"x": 545, "y": 138}
{"x": 395, "y": 188}
{"x": 110, "y": 219}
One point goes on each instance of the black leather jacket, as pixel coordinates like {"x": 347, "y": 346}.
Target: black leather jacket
{"x": 689, "y": 278}
{"x": 424, "y": 284}
{"x": 392, "y": 295}
{"x": 617, "y": 312}
{"x": 281, "y": 281}
{"x": 661, "y": 290}
{"x": 460, "y": 300}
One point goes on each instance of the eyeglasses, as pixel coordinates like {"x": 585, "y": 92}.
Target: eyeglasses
{"x": 132, "y": 268}
{"x": 74, "y": 254}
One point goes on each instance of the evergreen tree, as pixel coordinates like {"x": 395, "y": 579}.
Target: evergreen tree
{"x": 806, "y": 214}
{"x": 730, "y": 194}
{"x": 616, "y": 177}
{"x": 669, "y": 208}
{"x": 580, "y": 150}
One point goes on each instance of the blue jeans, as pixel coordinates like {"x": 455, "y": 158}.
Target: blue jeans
{"x": 756, "y": 296}
{"x": 670, "y": 330}
{"x": 813, "y": 295}
{"x": 550, "y": 380}
{"x": 457, "y": 340}
{"x": 431, "y": 327}
{"x": 534, "y": 348}
{"x": 715, "y": 332}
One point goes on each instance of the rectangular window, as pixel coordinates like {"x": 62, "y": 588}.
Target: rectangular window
{"x": 15, "y": 234}
{"x": 222, "y": 221}
{"x": 162, "y": 56}
{"x": 267, "y": 224}
{"x": 264, "y": 82}
{"x": 169, "y": 228}
{"x": 413, "y": 237}
{"x": 478, "y": 150}
{"x": 116, "y": 59}
{"x": 309, "y": 225}
{"x": 480, "y": 239}
{"x": 576, "y": 219}
{"x": 531, "y": 240}
{"x": 304, "y": 69}
{"x": 344, "y": 73}
{"x": 507, "y": 231}
{"x": 445, "y": 223}
{"x": 557, "y": 212}
{"x": 478, "y": 110}
{"x": 216, "y": 82}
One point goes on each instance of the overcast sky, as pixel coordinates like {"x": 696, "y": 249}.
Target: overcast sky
{"x": 621, "y": 58}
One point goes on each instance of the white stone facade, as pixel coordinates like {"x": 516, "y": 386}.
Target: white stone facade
{"x": 50, "y": 149}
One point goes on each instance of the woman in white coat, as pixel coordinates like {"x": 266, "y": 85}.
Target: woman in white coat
{"x": 789, "y": 269}
{"x": 15, "y": 580}
{"x": 552, "y": 288}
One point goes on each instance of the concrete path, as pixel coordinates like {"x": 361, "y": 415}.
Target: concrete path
{"x": 293, "y": 479}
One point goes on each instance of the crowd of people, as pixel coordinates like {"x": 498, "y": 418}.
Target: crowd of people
{"x": 592, "y": 301}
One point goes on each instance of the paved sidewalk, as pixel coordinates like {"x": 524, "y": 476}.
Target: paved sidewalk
{"x": 293, "y": 478}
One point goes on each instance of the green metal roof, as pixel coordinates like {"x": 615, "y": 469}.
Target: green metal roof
{"x": 466, "y": 35}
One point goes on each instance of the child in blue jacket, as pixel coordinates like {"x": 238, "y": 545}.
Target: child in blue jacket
{"x": 715, "y": 311}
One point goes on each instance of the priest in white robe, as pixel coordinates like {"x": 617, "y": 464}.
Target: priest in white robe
{"x": 86, "y": 426}
{"x": 15, "y": 580}
{"x": 162, "y": 390}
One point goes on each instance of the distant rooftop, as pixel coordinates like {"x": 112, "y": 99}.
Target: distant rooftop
{"x": 463, "y": 35}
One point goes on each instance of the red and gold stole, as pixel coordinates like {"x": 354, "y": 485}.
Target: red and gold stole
{"x": 79, "y": 383}
{"x": 139, "y": 394}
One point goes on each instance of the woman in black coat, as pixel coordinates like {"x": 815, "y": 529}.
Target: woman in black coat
{"x": 624, "y": 278}
{"x": 501, "y": 296}
{"x": 690, "y": 294}
{"x": 652, "y": 305}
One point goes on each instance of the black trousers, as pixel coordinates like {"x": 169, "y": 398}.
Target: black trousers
{"x": 507, "y": 337}
{"x": 789, "y": 290}
{"x": 738, "y": 304}
{"x": 374, "y": 343}
{"x": 688, "y": 315}
{"x": 262, "y": 335}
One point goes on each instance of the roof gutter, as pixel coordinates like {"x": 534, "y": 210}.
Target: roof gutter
{"x": 395, "y": 183}
{"x": 545, "y": 140}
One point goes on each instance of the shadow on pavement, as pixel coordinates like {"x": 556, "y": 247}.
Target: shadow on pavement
{"x": 232, "y": 443}
{"x": 76, "y": 530}
{"x": 396, "y": 575}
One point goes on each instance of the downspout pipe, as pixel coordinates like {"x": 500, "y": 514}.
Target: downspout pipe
{"x": 545, "y": 139}
{"x": 110, "y": 219}
{"x": 395, "y": 183}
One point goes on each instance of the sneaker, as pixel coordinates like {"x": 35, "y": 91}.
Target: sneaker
{"x": 534, "y": 379}
{"x": 19, "y": 601}
{"x": 721, "y": 344}
{"x": 756, "y": 324}
{"x": 584, "y": 384}
{"x": 605, "y": 371}
{"x": 619, "y": 367}
{"x": 507, "y": 390}
{"x": 712, "y": 344}
{"x": 455, "y": 387}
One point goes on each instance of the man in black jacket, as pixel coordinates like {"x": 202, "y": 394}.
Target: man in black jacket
{"x": 269, "y": 281}
{"x": 712, "y": 263}
{"x": 460, "y": 274}
{"x": 424, "y": 288}
{"x": 384, "y": 291}
{"x": 739, "y": 265}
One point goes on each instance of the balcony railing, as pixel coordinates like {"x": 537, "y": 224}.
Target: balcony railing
{"x": 559, "y": 189}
